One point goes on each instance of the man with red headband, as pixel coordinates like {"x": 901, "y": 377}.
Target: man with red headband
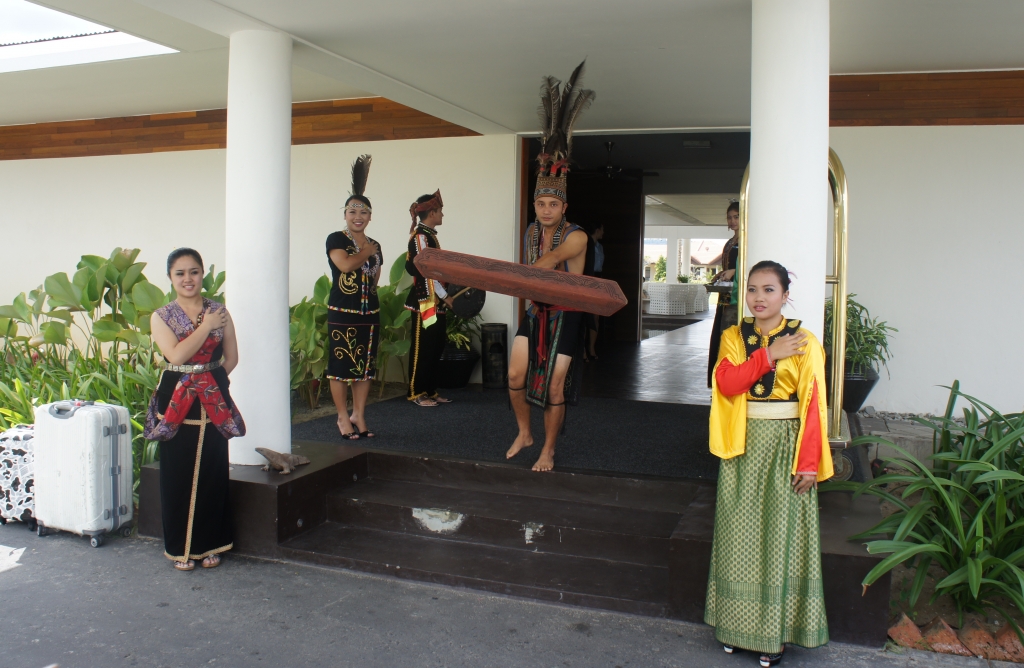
{"x": 428, "y": 301}
{"x": 541, "y": 370}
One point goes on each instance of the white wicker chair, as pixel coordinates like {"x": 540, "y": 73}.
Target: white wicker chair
{"x": 667, "y": 299}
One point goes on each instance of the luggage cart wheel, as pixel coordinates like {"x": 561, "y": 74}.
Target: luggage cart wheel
{"x": 32, "y": 524}
{"x": 40, "y": 529}
{"x": 96, "y": 541}
{"x": 126, "y": 532}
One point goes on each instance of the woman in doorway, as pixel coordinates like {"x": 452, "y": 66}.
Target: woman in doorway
{"x": 725, "y": 314}
{"x": 353, "y": 318}
{"x": 192, "y": 415}
{"x": 768, "y": 426}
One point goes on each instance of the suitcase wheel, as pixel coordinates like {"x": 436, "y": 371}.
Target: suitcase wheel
{"x": 126, "y": 531}
{"x": 96, "y": 541}
{"x": 31, "y": 523}
{"x": 41, "y": 530}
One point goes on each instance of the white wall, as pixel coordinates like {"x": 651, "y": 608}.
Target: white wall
{"x": 54, "y": 211}
{"x": 935, "y": 249}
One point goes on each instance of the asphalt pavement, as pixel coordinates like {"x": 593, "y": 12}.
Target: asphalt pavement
{"x": 122, "y": 604}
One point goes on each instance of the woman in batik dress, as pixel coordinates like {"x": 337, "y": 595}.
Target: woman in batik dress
{"x": 768, "y": 426}
{"x": 192, "y": 415}
{"x": 353, "y": 318}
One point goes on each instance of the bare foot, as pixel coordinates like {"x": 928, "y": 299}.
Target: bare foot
{"x": 545, "y": 462}
{"x": 522, "y": 441}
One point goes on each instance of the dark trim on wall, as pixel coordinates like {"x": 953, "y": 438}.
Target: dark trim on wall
{"x": 946, "y": 98}
{"x": 331, "y": 121}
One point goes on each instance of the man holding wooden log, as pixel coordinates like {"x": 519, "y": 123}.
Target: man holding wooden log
{"x": 549, "y": 336}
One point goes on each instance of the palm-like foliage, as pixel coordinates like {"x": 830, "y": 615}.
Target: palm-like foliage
{"x": 970, "y": 517}
{"x": 867, "y": 338}
{"x": 86, "y": 338}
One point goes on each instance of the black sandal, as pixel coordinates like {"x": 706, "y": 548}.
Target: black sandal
{"x": 729, "y": 649}
{"x": 366, "y": 434}
{"x": 769, "y": 660}
{"x": 351, "y": 436}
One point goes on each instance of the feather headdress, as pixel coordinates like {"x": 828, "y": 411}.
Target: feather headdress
{"x": 560, "y": 108}
{"x": 360, "y": 175}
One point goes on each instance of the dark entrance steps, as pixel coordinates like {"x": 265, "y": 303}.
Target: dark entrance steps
{"x": 516, "y": 521}
{"x": 567, "y": 579}
{"x": 603, "y": 544}
{"x": 635, "y": 491}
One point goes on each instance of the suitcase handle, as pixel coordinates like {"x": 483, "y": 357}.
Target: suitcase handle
{"x": 65, "y": 410}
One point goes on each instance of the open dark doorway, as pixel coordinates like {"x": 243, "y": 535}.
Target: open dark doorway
{"x": 675, "y": 187}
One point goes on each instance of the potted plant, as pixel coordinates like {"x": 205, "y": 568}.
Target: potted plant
{"x": 459, "y": 359}
{"x": 307, "y": 333}
{"x": 867, "y": 346}
{"x": 394, "y": 320}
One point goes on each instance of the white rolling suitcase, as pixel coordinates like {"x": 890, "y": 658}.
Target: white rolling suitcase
{"x": 83, "y": 469}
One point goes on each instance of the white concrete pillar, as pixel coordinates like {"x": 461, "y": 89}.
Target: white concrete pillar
{"x": 672, "y": 258}
{"x": 789, "y": 147}
{"x": 256, "y": 231}
{"x": 684, "y": 257}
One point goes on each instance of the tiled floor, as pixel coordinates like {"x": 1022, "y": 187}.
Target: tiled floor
{"x": 667, "y": 368}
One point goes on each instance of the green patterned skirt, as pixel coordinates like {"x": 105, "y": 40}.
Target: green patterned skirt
{"x": 764, "y": 587}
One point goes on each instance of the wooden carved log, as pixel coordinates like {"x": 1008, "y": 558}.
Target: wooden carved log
{"x": 546, "y": 286}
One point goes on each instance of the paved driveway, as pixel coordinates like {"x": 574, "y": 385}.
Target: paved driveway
{"x": 123, "y": 605}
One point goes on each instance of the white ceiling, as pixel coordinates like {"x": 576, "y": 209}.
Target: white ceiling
{"x": 654, "y": 64}
{"x": 705, "y": 209}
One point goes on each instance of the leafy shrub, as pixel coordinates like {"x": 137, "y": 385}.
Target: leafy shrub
{"x": 867, "y": 338}
{"x": 86, "y": 338}
{"x": 970, "y": 517}
{"x": 308, "y": 332}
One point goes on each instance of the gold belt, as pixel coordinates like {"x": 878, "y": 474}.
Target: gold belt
{"x": 773, "y": 410}
{"x": 194, "y": 368}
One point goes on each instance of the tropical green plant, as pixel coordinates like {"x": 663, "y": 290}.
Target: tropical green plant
{"x": 461, "y": 331}
{"x": 867, "y": 338}
{"x": 86, "y": 338}
{"x": 394, "y": 319}
{"x": 684, "y": 279}
{"x": 969, "y": 520}
{"x": 307, "y": 330}
{"x": 660, "y": 269}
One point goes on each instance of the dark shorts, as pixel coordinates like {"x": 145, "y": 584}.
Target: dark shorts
{"x": 571, "y": 321}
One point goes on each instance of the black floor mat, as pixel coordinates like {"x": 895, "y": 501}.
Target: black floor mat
{"x": 614, "y": 435}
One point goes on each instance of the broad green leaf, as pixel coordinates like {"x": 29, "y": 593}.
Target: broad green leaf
{"x": 60, "y": 314}
{"x": 147, "y": 297}
{"x": 132, "y": 275}
{"x": 62, "y": 292}
{"x": 322, "y": 289}
{"x": 128, "y": 311}
{"x": 54, "y": 332}
{"x": 129, "y": 336}
{"x": 106, "y": 330}
{"x": 92, "y": 262}
{"x": 397, "y": 269}
{"x": 123, "y": 258}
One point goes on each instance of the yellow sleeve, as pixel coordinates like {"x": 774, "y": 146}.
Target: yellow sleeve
{"x": 812, "y": 369}
{"x": 728, "y": 422}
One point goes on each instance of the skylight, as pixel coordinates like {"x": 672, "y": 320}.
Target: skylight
{"x": 33, "y": 37}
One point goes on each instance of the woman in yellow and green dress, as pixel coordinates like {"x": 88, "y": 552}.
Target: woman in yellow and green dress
{"x": 768, "y": 426}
